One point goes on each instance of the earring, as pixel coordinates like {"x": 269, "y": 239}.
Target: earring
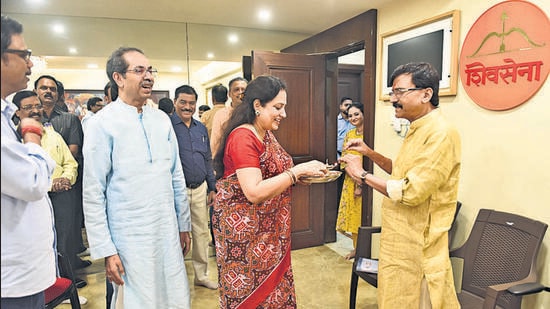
{"x": 257, "y": 113}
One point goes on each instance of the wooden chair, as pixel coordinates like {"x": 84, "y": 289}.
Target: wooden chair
{"x": 363, "y": 249}
{"x": 64, "y": 287}
{"x": 499, "y": 255}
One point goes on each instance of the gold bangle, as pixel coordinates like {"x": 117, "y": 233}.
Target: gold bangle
{"x": 290, "y": 176}
{"x": 294, "y": 178}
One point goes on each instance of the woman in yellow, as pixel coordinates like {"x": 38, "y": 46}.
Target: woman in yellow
{"x": 349, "y": 211}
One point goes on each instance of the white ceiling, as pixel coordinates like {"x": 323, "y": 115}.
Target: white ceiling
{"x": 166, "y": 29}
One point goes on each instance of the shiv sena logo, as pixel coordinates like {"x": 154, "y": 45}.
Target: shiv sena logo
{"x": 505, "y": 57}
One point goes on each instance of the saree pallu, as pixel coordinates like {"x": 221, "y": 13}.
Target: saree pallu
{"x": 253, "y": 240}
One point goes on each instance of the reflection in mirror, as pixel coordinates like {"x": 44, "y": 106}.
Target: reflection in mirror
{"x": 198, "y": 54}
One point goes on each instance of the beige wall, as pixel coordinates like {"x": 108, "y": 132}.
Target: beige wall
{"x": 505, "y": 164}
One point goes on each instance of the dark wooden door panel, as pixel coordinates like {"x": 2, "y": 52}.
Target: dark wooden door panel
{"x": 302, "y": 133}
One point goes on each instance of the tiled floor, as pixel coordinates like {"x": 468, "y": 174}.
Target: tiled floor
{"x": 321, "y": 274}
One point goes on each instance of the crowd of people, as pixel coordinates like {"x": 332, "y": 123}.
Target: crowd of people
{"x": 155, "y": 177}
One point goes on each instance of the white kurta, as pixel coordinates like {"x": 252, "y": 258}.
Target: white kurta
{"x": 135, "y": 203}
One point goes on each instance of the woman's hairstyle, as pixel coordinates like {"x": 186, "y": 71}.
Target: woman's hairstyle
{"x": 264, "y": 89}
{"x": 357, "y": 105}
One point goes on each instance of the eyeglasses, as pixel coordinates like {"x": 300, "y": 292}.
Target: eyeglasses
{"x": 399, "y": 92}
{"x": 29, "y": 108}
{"x": 142, "y": 70}
{"x": 23, "y": 53}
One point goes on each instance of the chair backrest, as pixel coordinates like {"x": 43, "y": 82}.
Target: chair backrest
{"x": 502, "y": 247}
{"x": 64, "y": 287}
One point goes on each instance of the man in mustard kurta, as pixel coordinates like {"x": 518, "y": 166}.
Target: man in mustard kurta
{"x": 414, "y": 268}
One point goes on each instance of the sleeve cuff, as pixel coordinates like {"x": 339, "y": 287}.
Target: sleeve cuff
{"x": 395, "y": 189}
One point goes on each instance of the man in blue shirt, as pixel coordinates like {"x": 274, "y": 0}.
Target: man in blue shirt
{"x": 196, "y": 159}
{"x": 343, "y": 124}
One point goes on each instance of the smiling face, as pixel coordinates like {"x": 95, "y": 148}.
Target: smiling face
{"x": 185, "y": 105}
{"x": 411, "y": 104}
{"x": 30, "y": 108}
{"x": 355, "y": 116}
{"x": 135, "y": 88}
{"x": 272, "y": 113}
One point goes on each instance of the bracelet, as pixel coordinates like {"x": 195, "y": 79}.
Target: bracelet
{"x": 292, "y": 176}
{"x": 31, "y": 129}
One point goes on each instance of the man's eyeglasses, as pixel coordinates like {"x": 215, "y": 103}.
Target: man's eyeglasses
{"x": 399, "y": 92}
{"x": 23, "y": 53}
{"x": 142, "y": 70}
{"x": 29, "y": 108}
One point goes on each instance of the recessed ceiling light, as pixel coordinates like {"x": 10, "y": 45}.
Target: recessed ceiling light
{"x": 72, "y": 50}
{"x": 58, "y": 28}
{"x": 264, "y": 15}
{"x": 92, "y": 66}
{"x": 176, "y": 69}
{"x": 233, "y": 38}
{"x": 210, "y": 55}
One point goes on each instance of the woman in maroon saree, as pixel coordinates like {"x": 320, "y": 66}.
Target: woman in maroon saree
{"x": 251, "y": 217}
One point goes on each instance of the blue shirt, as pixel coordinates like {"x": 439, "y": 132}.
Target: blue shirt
{"x": 195, "y": 154}
{"x": 28, "y": 245}
{"x": 343, "y": 127}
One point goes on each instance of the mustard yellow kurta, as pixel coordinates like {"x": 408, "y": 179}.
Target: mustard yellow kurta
{"x": 414, "y": 239}
{"x": 349, "y": 211}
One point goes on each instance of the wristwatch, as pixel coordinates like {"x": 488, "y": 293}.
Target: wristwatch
{"x": 364, "y": 176}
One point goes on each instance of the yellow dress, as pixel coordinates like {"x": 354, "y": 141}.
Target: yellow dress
{"x": 349, "y": 211}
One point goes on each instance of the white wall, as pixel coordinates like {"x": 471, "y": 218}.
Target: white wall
{"x": 505, "y": 163}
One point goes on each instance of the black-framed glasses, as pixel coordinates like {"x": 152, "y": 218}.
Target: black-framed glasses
{"x": 23, "y": 53}
{"x": 399, "y": 92}
{"x": 29, "y": 108}
{"x": 142, "y": 70}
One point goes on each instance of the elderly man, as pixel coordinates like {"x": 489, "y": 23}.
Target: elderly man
{"x": 135, "y": 202}
{"x": 420, "y": 203}
{"x": 28, "y": 252}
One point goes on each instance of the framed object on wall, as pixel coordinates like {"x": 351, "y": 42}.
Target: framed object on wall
{"x": 434, "y": 40}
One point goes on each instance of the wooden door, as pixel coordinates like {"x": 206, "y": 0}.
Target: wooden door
{"x": 302, "y": 134}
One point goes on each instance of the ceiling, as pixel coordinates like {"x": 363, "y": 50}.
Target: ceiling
{"x": 172, "y": 33}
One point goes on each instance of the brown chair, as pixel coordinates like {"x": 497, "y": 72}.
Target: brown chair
{"x": 363, "y": 249}
{"x": 500, "y": 253}
{"x": 64, "y": 286}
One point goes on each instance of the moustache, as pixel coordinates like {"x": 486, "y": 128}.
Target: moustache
{"x": 35, "y": 114}
{"x": 49, "y": 96}
{"x": 397, "y": 105}
{"x": 188, "y": 110}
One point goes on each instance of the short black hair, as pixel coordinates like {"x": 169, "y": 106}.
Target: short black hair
{"x": 10, "y": 27}
{"x": 204, "y": 108}
{"x": 47, "y": 77}
{"x": 23, "y": 94}
{"x": 166, "y": 105}
{"x": 93, "y": 102}
{"x": 185, "y": 89}
{"x": 219, "y": 93}
{"x": 424, "y": 75}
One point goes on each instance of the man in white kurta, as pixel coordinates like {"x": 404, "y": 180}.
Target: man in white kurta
{"x": 135, "y": 203}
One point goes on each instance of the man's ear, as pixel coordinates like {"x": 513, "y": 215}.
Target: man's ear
{"x": 428, "y": 93}
{"x": 118, "y": 79}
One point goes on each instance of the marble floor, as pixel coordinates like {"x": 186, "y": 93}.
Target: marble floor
{"x": 321, "y": 274}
